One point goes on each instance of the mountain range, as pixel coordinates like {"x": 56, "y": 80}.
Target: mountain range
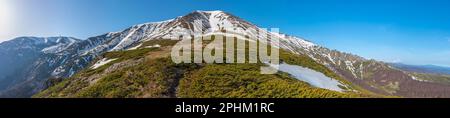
{"x": 111, "y": 65}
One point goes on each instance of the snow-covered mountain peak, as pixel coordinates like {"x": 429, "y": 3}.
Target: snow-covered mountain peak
{"x": 195, "y": 23}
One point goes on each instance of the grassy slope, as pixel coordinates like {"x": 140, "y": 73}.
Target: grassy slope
{"x": 160, "y": 77}
{"x": 245, "y": 81}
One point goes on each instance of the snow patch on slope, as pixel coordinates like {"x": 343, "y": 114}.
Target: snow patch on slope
{"x": 102, "y": 62}
{"x": 415, "y": 78}
{"x": 312, "y": 77}
{"x": 135, "y": 47}
{"x": 153, "y": 46}
{"x": 351, "y": 68}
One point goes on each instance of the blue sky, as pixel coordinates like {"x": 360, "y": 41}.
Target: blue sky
{"x": 407, "y": 31}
